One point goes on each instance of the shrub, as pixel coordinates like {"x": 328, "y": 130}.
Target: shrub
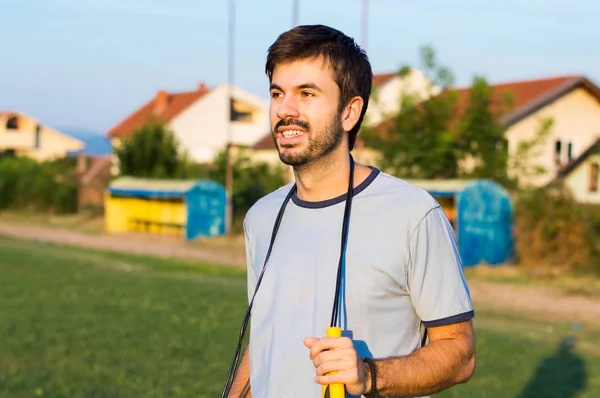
{"x": 28, "y": 185}
{"x": 553, "y": 232}
{"x": 251, "y": 181}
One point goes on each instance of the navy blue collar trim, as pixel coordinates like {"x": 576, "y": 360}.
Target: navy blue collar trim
{"x": 339, "y": 199}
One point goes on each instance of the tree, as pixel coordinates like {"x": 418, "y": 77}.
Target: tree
{"x": 481, "y": 136}
{"x": 522, "y": 163}
{"x": 429, "y": 137}
{"x": 152, "y": 151}
{"x": 253, "y": 180}
{"x": 417, "y": 142}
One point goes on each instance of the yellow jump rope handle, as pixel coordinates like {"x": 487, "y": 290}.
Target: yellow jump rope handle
{"x": 336, "y": 390}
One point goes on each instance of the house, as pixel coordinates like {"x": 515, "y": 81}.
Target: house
{"x": 199, "y": 119}
{"x": 573, "y": 104}
{"x": 582, "y": 175}
{"x": 22, "y": 135}
{"x": 93, "y": 173}
{"x": 387, "y": 91}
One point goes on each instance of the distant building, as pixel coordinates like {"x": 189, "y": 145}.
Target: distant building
{"x": 199, "y": 119}
{"x": 573, "y": 102}
{"x": 93, "y": 174}
{"x": 22, "y": 135}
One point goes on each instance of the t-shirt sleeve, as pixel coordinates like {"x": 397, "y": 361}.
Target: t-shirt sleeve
{"x": 436, "y": 280}
{"x": 251, "y": 274}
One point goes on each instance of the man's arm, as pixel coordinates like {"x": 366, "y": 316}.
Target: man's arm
{"x": 447, "y": 360}
{"x": 241, "y": 382}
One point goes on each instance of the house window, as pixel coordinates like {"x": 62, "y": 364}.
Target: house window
{"x": 240, "y": 112}
{"x": 37, "y": 136}
{"x": 570, "y": 152}
{"x": 557, "y": 150}
{"x": 594, "y": 176}
{"x": 12, "y": 123}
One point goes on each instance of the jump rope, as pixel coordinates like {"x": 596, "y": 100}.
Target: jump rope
{"x": 336, "y": 390}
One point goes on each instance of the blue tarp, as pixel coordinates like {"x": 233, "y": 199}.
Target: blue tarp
{"x": 484, "y": 221}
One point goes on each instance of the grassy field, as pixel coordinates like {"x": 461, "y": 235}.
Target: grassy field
{"x": 77, "y": 323}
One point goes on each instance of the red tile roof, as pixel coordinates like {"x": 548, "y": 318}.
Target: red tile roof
{"x": 527, "y": 96}
{"x": 164, "y": 106}
{"x": 523, "y": 93}
{"x": 265, "y": 143}
{"x": 383, "y": 78}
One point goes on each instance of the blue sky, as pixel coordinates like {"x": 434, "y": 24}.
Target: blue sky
{"x": 89, "y": 63}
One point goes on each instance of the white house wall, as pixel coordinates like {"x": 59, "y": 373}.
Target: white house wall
{"x": 386, "y": 99}
{"x": 578, "y": 182}
{"x": 576, "y": 120}
{"x": 202, "y": 129}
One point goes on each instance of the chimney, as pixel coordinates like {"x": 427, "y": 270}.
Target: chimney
{"x": 82, "y": 164}
{"x": 160, "y": 101}
{"x": 202, "y": 88}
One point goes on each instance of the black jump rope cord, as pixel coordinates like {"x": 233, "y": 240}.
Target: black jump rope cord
{"x": 334, "y": 313}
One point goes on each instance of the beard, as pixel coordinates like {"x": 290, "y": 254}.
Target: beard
{"x": 319, "y": 145}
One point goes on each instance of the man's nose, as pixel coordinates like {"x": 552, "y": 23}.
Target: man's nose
{"x": 287, "y": 108}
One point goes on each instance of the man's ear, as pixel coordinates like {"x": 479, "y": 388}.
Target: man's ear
{"x": 351, "y": 113}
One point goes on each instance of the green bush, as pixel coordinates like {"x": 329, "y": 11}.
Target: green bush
{"x": 251, "y": 181}
{"x": 152, "y": 151}
{"x": 554, "y": 233}
{"x": 28, "y": 185}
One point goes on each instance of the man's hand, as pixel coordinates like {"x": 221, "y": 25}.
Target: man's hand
{"x": 338, "y": 354}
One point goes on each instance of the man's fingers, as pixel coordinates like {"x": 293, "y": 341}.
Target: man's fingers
{"x": 334, "y": 366}
{"x": 334, "y": 355}
{"x": 310, "y": 341}
{"x": 329, "y": 343}
{"x": 345, "y": 377}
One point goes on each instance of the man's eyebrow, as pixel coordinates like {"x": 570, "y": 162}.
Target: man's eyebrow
{"x": 304, "y": 86}
{"x": 310, "y": 85}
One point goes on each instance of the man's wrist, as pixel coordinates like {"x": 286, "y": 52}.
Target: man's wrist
{"x": 371, "y": 378}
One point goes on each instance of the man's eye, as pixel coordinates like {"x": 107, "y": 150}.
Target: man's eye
{"x": 307, "y": 94}
{"x": 275, "y": 95}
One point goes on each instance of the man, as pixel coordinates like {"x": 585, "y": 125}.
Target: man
{"x": 406, "y": 303}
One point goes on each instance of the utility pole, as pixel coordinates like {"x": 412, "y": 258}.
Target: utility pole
{"x": 365, "y": 23}
{"x": 228, "y": 155}
{"x": 295, "y": 12}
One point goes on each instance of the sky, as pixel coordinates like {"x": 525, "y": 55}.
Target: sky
{"x": 87, "y": 64}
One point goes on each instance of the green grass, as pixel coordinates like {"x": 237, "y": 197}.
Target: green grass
{"x": 79, "y": 323}
{"x": 87, "y": 324}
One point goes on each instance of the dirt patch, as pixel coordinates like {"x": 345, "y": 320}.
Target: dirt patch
{"x": 151, "y": 245}
{"x": 543, "y": 303}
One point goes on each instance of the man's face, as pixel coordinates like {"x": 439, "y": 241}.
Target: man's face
{"x": 305, "y": 121}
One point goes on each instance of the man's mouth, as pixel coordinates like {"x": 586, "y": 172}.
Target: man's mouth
{"x": 292, "y": 133}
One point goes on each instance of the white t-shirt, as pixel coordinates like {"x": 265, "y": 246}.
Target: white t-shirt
{"x": 402, "y": 273}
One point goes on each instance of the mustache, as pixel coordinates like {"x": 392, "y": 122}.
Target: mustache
{"x": 292, "y": 122}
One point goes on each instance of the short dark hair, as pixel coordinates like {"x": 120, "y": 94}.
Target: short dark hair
{"x": 350, "y": 64}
